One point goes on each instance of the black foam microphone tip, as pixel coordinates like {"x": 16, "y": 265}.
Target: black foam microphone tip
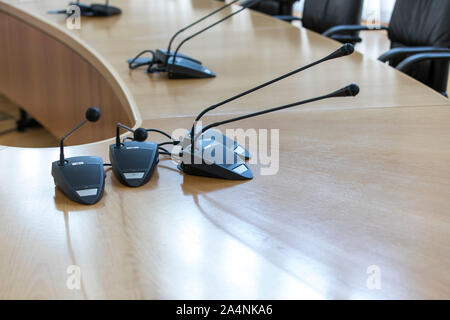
{"x": 352, "y": 90}
{"x": 140, "y": 134}
{"x": 93, "y": 114}
{"x": 347, "y": 49}
{"x": 349, "y": 91}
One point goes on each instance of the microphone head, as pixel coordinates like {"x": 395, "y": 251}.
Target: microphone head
{"x": 349, "y": 91}
{"x": 140, "y": 134}
{"x": 345, "y": 50}
{"x": 93, "y": 114}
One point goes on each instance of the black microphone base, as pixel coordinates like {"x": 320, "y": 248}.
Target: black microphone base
{"x": 163, "y": 55}
{"x": 214, "y": 171}
{"x": 93, "y": 10}
{"x": 160, "y": 58}
{"x": 220, "y": 138}
{"x": 186, "y": 69}
{"x": 182, "y": 69}
{"x": 134, "y": 162}
{"x": 214, "y": 160}
{"x": 101, "y": 10}
{"x": 81, "y": 179}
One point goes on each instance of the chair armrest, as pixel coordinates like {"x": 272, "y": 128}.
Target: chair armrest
{"x": 346, "y": 38}
{"x": 401, "y": 52}
{"x": 288, "y": 18}
{"x": 407, "y": 64}
{"x": 349, "y": 28}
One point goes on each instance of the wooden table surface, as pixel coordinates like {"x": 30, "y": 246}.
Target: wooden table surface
{"x": 362, "y": 181}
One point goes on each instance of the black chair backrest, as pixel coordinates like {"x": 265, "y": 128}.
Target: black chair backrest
{"x": 320, "y": 15}
{"x": 422, "y": 23}
{"x": 274, "y": 7}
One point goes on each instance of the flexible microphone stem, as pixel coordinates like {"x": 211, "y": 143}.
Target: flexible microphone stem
{"x": 210, "y": 26}
{"x": 92, "y": 115}
{"x": 215, "y": 124}
{"x": 196, "y": 22}
{"x": 350, "y": 90}
{"x": 140, "y": 134}
{"x": 265, "y": 84}
{"x": 345, "y": 50}
{"x": 61, "y": 142}
{"x": 119, "y": 125}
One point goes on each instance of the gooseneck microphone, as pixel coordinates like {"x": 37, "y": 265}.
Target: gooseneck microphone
{"x": 81, "y": 179}
{"x": 211, "y": 26}
{"x": 348, "y": 91}
{"x": 133, "y": 162}
{"x": 177, "y": 65}
{"x": 344, "y": 50}
{"x": 196, "y": 22}
{"x": 140, "y": 134}
{"x": 223, "y": 162}
{"x": 92, "y": 115}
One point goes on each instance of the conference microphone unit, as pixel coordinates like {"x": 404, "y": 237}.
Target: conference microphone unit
{"x": 81, "y": 179}
{"x": 164, "y": 55}
{"x": 344, "y": 50}
{"x": 161, "y": 57}
{"x": 196, "y": 161}
{"x": 178, "y": 65}
{"x": 133, "y": 162}
{"x": 93, "y": 10}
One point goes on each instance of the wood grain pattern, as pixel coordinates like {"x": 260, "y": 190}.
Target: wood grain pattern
{"x": 355, "y": 188}
{"x": 55, "y": 85}
{"x": 362, "y": 181}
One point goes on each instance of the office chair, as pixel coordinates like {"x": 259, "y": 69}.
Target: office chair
{"x": 420, "y": 40}
{"x": 318, "y": 15}
{"x": 272, "y": 7}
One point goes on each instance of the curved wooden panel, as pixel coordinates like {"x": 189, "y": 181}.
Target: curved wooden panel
{"x": 55, "y": 84}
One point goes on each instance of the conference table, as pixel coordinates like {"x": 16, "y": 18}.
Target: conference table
{"x": 359, "y": 207}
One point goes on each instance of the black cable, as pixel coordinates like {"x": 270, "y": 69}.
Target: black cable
{"x": 133, "y": 66}
{"x": 161, "y": 132}
{"x": 164, "y": 151}
{"x": 174, "y": 142}
{"x": 168, "y": 142}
